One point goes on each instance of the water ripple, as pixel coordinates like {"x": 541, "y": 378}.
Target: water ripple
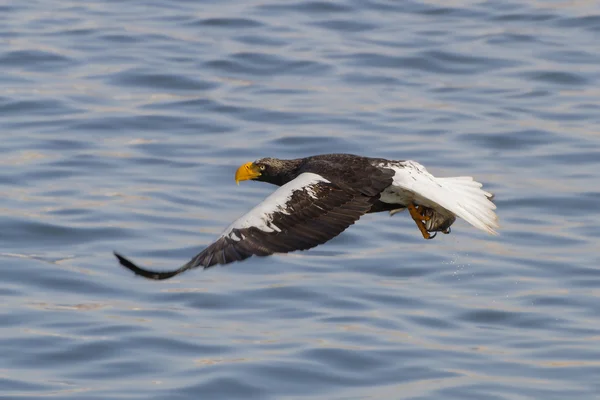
{"x": 141, "y": 78}
{"x": 123, "y": 124}
{"x": 35, "y": 60}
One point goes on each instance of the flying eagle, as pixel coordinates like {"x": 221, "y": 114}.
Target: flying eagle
{"x": 320, "y": 196}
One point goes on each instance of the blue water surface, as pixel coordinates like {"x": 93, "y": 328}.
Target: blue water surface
{"x": 122, "y": 124}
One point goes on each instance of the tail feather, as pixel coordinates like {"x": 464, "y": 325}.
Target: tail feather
{"x": 471, "y": 202}
{"x": 458, "y": 196}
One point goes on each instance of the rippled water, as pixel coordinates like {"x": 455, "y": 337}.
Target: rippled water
{"x": 123, "y": 122}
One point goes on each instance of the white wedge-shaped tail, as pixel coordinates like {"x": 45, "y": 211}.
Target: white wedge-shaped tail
{"x": 461, "y": 195}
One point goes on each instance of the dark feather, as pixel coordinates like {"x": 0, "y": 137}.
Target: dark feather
{"x": 307, "y": 222}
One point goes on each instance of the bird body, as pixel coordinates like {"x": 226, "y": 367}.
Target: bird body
{"x": 320, "y": 196}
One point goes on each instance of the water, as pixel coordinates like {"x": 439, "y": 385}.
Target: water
{"x": 122, "y": 124}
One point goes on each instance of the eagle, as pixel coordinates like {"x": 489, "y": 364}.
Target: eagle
{"x": 320, "y": 196}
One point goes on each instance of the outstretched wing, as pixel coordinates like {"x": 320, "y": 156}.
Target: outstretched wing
{"x": 306, "y": 212}
{"x": 461, "y": 196}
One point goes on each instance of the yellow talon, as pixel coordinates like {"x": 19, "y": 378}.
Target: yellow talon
{"x": 419, "y": 218}
{"x": 422, "y": 210}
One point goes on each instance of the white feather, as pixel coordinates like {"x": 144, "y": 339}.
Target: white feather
{"x": 461, "y": 196}
{"x": 261, "y": 216}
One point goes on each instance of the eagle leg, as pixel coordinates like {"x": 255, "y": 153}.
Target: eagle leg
{"x": 418, "y": 218}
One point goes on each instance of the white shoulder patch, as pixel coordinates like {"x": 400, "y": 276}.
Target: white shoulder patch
{"x": 261, "y": 216}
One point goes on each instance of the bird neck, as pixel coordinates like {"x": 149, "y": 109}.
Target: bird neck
{"x": 288, "y": 171}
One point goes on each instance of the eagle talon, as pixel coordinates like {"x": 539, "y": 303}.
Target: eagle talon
{"x": 432, "y": 236}
{"x": 422, "y": 210}
{"x": 418, "y": 218}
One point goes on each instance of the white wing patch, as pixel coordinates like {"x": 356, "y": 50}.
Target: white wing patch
{"x": 261, "y": 216}
{"x": 461, "y": 196}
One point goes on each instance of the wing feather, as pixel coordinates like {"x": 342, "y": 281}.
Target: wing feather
{"x": 306, "y": 212}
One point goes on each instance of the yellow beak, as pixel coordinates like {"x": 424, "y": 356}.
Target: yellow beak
{"x": 246, "y": 171}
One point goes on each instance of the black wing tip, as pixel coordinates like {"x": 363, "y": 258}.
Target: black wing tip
{"x": 124, "y": 262}
{"x": 121, "y": 259}
{"x": 144, "y": 272}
